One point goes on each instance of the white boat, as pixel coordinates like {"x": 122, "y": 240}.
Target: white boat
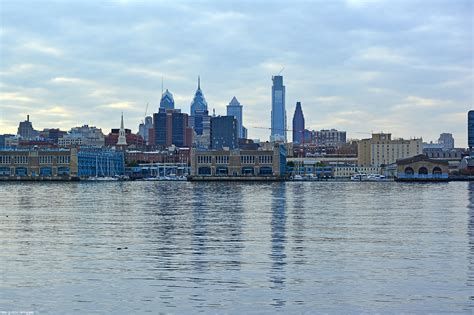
{"x": 375, "y": 177}
{"x": 359, "y": 177}
{"x": 103, "y": 178}
{"x": 298, "y": 177}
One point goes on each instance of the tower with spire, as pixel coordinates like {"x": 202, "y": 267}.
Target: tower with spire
{"x": 167, "y": 100}
{"x": 122, "y": 140}
{"x": 199, "y": 120}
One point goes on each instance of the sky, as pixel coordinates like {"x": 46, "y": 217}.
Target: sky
{"x": 404, "y": 67}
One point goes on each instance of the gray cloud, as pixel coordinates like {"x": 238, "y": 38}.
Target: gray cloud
{"x": 404, "y": 67}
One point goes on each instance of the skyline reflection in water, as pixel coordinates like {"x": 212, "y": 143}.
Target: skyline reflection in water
{"x": 236, "y": 247}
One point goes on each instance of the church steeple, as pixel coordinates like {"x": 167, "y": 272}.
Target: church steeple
{"x": 122, "y": 140}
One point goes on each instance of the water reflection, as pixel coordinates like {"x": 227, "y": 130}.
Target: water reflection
{"x": 470, "y": 232}
{"x": 278, "y": 240}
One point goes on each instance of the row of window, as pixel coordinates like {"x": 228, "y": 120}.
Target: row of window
{"x": 244, "y": 159}
{"x": 247, "y": 159}
{"x": 43, "y": 159}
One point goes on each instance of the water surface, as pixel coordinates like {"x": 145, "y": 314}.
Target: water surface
{"x": 179, "y": 247}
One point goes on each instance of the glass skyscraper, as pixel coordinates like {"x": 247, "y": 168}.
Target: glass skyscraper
{"x": 199, "y": 103}
{"x": 235, "y": 109}
{"x": 278, "y": 110}
{"x": 298, "y": 124}
{"x": 167, "y": 100}
{"x": 470, "y": 129}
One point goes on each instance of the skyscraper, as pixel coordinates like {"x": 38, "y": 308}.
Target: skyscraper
{"x": 223, "y": 132}
{"x": 470, "y": 129}
{"x": 167, "y": 100}
{"x": 26, "y": 130}
{"x": 278, "y": 110}
{"x": 235, "y": 109}
{"x": 298, "y": 124}
{"x": 199, "y": 119}
{"x": 171, "y": 128}
{"x": 199, "y": 101}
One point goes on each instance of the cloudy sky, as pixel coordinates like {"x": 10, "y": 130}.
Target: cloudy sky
{"x": 404, "y": 67}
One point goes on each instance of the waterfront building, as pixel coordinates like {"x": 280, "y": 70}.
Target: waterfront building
{"x": 85, "y": 135}
{"x": 3, "y": 139}
{"x": 167, "y": 100}
{"x": 470, "y": 130}
{"x": 346, "y": 171}
{"x": 421, "y": 167}
{"x": 171, "y": 128}
{"x": 100, "y": 162}
{"x": 237, "y": 164}
{"x": 382, "y": 150}
{"x": 171, "y": 155}
{"x": 60, "y": 163}
{"x": 26, "y": 130}
{"x": 223, "y": 132}
{"x": 144, "y": 129}
{"x": 446, "y": 140}
{"x": 329, "y": 138}
{"x": 235, "y": 109}
{"x": 298, "y": 124}
{"x": 278, "y": 114}
{"x": 38, "y": 164}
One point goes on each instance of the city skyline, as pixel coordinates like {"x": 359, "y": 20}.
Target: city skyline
{"x": 361, "y": 69}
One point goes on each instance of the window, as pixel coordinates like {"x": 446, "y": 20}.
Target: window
{"x": 204, "y": 159}
{"x": 5, "y": 159}
{"x": 222, "y": 159}
{"x": 21, "y": 159}
{"x": 45, "y": 159}
{"x": 63, "y": 159}
{"x": 247, "y": 159}
{"x": 265, "y": 159}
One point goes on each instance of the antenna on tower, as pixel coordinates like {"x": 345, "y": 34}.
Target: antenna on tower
{"x": 161, "y": 86}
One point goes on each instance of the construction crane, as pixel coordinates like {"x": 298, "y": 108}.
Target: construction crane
{"x": 146, "y": 111}
{"x": 281, "y": 71}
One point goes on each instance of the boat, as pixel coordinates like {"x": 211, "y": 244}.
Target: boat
{"x": 359, "y": 177}
{"x": 376, "y": 177}
{"x": 298, "y": 177}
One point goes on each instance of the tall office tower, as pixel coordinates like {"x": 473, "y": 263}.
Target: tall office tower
{"x": 470, "y": 130}
{"x": 447, "y": 140}
{"x": 199, "y": 101}
{"x": 144, "y": 129}
{"x": 167, "y": 100}
{"x": 223, "y": 132}
{"x": 278, "y": 110}
{"x": 171, "y": 128}
{"x": 235, "y": 109}
{"x": 298, "y": 124}
{"x": 199, "y": 119}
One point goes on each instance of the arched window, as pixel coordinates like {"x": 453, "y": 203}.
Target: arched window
{"x": 46, "y": 171}
{"x": 63, "y": 170}
{"x": 222, "y": 170}
{"x": 265, "y": 170}
{"x": 204, "y": 170}
{"x": 409, "y": 171}
{"x": 247, "y": 170}
{"x": 423, "y": 171}
{"x": 21, "y": 171}
{"x": 437, "y": 171}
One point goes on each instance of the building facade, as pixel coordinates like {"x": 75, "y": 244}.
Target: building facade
{"x": 235, "y": 109}
{"x": 421, "y": 167}
{"x": 34, "y": 164}
{"x": 144, "y": 129}
{"x": 85, "y": 135}
{"x": 100, "y": 162}
{"x": 329, "y": 138}
{"x": 382, "y": 150}
{"x": 26, "y": 130}
{"x": 446, "y": 140}
{"x": 223, "y": 132}
{"x": 171, "y": 128}
{"x": 470, "y": 130}
{"x": 278, "y": 114}
{"x": 298, "y": 124}
{"x": 239, "y": 163}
